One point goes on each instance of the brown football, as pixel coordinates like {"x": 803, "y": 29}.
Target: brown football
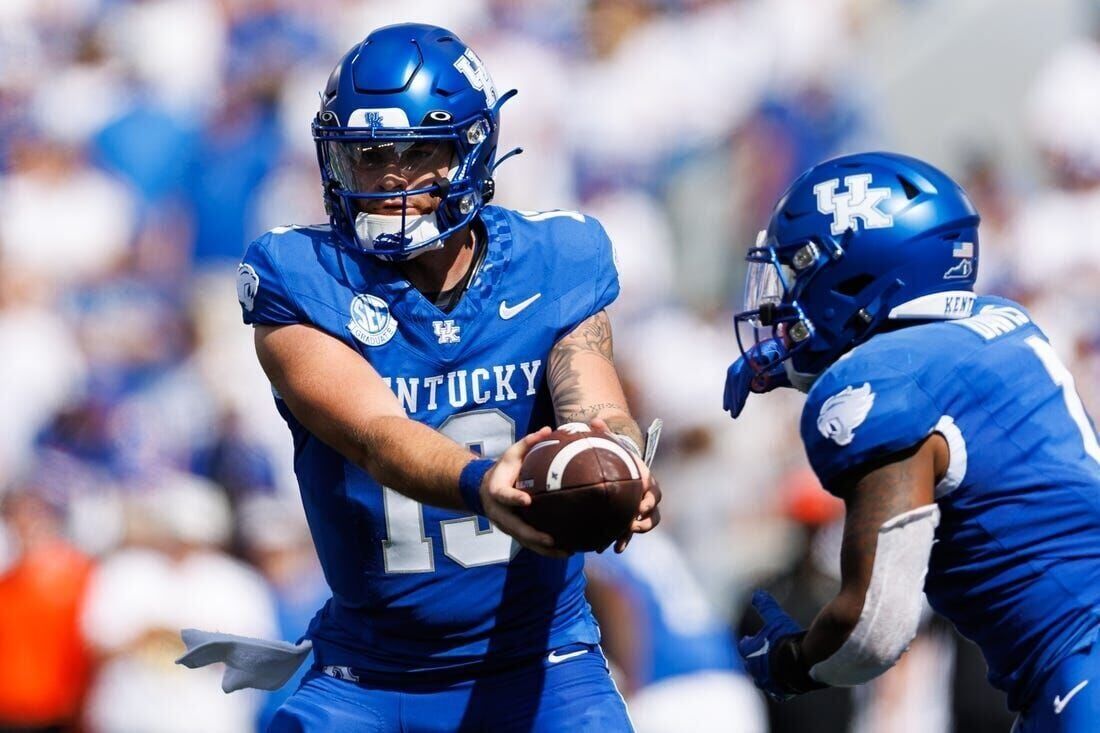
{"x": 584, "y": 485}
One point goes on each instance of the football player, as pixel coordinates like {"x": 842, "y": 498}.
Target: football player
{"x": 950, "y": 428}
{"x": 412, "y": 342}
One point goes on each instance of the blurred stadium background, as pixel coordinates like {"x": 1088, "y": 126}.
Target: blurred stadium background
{"x": 145, "y": 473}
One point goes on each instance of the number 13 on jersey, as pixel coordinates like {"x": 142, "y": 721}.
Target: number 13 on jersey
{"x": 408, "y": 549}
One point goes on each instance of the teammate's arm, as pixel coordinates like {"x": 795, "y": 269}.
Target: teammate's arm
{"x": 871, "y": 500}
{"x": 889, "y": 522}
{"x": 585, "y": 387}
{"x": 339, "y": 397}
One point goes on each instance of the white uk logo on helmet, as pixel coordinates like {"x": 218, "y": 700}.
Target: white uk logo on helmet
{"x": 859, "y": 203}
{"x": 378, "y": 117}
{"x": 470, "y": 66}
{"x": 845, "y": 411}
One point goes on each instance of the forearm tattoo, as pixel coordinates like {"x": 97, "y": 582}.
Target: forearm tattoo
{"x": 591, "y": 411}
{"x": 593, "y": 337}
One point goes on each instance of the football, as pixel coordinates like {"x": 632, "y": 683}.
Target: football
{"x": 584, "y": 485}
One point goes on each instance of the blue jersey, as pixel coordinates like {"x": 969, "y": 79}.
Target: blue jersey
{"x": 1016, "y": 565}
{"x": 679, "y": 631}
{"x": 418, "y": 588}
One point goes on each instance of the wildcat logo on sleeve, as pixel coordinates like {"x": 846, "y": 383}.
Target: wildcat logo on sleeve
{"x": 248, "y": 284}
{"x": 371, "y": 321}
{"x": 845, "y": 411}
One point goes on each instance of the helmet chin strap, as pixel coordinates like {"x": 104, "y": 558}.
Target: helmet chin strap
{"x": 381, "y": 234}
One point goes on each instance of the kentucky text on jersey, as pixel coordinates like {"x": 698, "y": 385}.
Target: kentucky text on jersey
{"x": 463, "y": 387}
{"x": 954, "y": 305}
{"x": 1016, "y": 565}
{"x": 418, "y": 589}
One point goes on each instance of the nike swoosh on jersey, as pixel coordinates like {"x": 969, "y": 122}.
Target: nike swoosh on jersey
{"x": 507, "y": 312}
{"x": 761, "y": 651}
{"x": 555, "y": 658}
{"x": 1061, "y": 702}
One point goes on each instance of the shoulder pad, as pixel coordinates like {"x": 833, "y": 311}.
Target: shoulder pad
{"x": 262, "y": 290}
{"x": 866, "y": 406}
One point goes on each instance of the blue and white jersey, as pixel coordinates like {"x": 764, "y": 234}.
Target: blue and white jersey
{"x": 1016, "y": 564}
{"x": 417, "y": 588}
{"x": 679, "y": 631}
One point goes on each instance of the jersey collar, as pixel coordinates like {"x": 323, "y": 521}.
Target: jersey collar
{"x": 415, "y": 311}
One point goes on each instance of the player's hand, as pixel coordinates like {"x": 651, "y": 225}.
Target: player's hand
{"x": 760, "y": 370}
{"x": 648, "y": 516}
{"x": 501, "y": 498}
{"x": 758, "y": 650}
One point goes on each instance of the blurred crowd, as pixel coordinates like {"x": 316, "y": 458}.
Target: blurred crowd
{"x": 145, "y": 478}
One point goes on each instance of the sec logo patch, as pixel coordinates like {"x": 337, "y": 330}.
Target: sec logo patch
{"x": 371, "y": 321}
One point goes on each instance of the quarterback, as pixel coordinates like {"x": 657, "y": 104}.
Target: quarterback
{"x": 417, "y": 344}
{"x": 950, "y": 428}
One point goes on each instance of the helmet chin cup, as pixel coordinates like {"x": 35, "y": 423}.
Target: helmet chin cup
{"x": 397, "y": 237}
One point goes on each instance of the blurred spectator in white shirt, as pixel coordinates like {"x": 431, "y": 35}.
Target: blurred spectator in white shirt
{"x": 42, "y": 370}
{"x": 276, "y": 540}
{"x": 173, "y": 574}
{"x": 1056, "y": 233}
{"x": 61, "y": 221}
{"x": 174, "y": 48}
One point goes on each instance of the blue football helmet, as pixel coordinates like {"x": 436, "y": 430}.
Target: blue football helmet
{"x": 855, "y": 246}
{"x": 409, "y": 97}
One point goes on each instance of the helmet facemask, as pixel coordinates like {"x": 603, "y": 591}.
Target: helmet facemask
{"x": 856, "y": 245}
{"x": 444, "y": 159}
{"x": 780, "y": 328}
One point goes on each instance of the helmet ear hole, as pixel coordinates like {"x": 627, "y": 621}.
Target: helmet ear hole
{"x": 911, "y": 190}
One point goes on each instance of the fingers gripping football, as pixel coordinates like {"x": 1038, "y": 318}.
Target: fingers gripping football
{"x": 648, "y": 515}
{"x": 586, "y": 488}
{"x": 501, "y": 499}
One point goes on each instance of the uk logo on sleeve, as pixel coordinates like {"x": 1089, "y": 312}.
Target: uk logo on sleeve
{"x": 845, "y": 411}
